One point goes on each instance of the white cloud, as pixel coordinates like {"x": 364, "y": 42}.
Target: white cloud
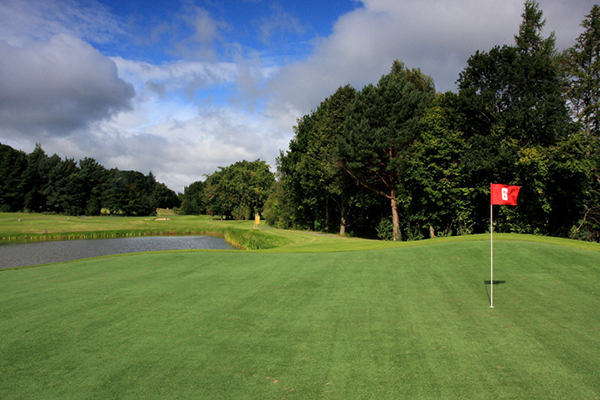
{"x": 180, "y": 152}
{"x": 178, "y": 75}
{"x": 437, "y": 36}
{"x": 58, "y": 86}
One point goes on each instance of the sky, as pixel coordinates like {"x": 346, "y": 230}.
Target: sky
{"x": 183, "y": 87}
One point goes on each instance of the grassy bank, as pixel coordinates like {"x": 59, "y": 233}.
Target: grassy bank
{"x": 31, "y": 227}
{"x": 15, "y": 227}
{"x": 404, "y": 322}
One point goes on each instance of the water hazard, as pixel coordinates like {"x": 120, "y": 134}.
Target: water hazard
{"x": 25, "y": 254}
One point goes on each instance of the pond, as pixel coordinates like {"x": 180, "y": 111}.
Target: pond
{"x": 25, "y": 254}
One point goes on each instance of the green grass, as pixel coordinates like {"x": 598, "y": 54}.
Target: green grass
{"x": 29, "y": 227}
{"x": 165, "y": 213}
{"x": 307, "y": 320}
{"x": 18, "y": 227}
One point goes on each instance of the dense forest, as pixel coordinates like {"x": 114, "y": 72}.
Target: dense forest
{"x": 394, "y": 160}
{"x": 36, "y": 182}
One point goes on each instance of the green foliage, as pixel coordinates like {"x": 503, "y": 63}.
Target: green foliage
{"x": 385, "y": 230}
{"x": 440, "y": 198}
{"x": 516, "y": 123}
{"x": 318, "y": 194}
{"x": 279, "y": 211}
{"x": 165, "y": 197}
{"x": 581, "y": 65}
{"x": 193, "y": 199}
{"x": 241, "y": 189}
{"x": 39, "y": 183}
{"x": 12, "y": 166}
{"x": 509, "y": 123}
{"x": 523, "y": 115}
{"x": 380, "y": 127}
{"x": 241, "y": 213}
{"x": 33, "y": 180}
{"x": 130, "y": 193}
{"x": 517, "y": 89}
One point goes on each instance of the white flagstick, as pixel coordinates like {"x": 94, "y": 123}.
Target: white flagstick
{"x": 492, "y": 255}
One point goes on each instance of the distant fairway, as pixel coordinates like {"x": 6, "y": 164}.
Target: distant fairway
{"x": 405, "y": 322}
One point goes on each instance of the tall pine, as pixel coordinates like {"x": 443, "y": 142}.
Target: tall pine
{"x": 380, "y": 127}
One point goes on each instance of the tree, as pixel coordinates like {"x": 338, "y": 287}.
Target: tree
{"x": 239, "y": 190}
{"x": 298, "y": 184}
{"x": 33, "y": 180}
{"x": 165, "y": 197}
{"x": 517, "y": 88}
{"x": 440, "y": 201}
{"x": 279, "y": 210}
{"x": 310, "y": 179}
{"x": 130, "y": 193}
{"x": 63, "y": 189}
{"x": 337, "y": 185}
{"x": 582, "y": 68}
{"x": 192, "y": 203}
{"x": 13, "y": 164}
{"x": 511, "y": 112}
{"x": 93, "y": 176}
{"x": 380, "y": 127}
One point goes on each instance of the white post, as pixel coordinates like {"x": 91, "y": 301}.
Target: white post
{"x": 492, "y": 256}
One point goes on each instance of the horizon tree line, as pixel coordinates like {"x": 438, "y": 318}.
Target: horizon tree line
{"x": 37, "y": 182}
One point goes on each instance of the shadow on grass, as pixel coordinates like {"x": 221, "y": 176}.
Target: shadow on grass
{"x": 486, "y": 283}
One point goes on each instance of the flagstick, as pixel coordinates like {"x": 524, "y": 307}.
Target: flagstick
{"x": 492, "y": 255}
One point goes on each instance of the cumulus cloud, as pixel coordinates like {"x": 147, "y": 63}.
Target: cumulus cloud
{"x": 58, "y": 86}
{"x": 178, "y": 151}
{"x": 437, "y": 36}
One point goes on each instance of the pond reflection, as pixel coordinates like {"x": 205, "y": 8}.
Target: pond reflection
{"x": 25, "y": 254}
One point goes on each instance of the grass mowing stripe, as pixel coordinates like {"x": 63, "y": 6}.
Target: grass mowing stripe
{"x": 408, "y": 322}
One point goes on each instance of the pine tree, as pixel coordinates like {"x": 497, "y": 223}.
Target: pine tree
{"x": 380, "y": 127}
{"x": 582, "y": 67}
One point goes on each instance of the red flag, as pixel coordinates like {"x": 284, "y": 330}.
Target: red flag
{"x": 504, "y": 194}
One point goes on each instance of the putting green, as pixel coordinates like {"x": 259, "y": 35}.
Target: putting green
{"x": 404, "y": 322}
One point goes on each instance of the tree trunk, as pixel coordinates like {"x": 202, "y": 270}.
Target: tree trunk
{"x": 343, "y": 220}
{"x": 327, "y": 214}
{"x": 395, "y": 218}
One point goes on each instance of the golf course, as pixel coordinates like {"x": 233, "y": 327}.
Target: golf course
{"x": 302, "y": 316}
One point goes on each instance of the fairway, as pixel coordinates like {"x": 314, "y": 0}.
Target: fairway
{"x": 409, "y": 322}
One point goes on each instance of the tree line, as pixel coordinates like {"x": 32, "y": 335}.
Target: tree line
{"x": 238, "y": 191}
{"x": 400, "y": 161}
{"x": 37, "y": 182}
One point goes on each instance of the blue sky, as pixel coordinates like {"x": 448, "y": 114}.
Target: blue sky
{"x": 180, "y": 88}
